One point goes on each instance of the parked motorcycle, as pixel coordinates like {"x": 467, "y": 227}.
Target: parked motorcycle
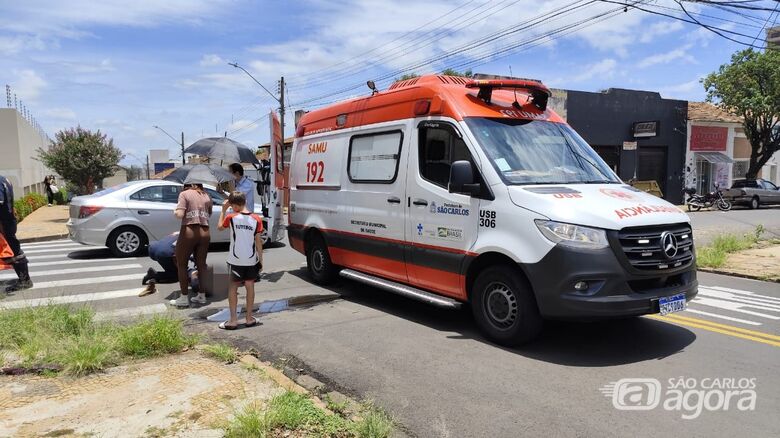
{"x": 696, "y": 202}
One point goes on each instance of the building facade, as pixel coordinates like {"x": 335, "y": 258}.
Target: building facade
{"x": 717, "y": 151}
{"x": 639, "y": 134}
{"x": 19, "y": 142}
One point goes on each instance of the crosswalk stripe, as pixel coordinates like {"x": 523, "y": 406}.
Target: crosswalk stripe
{"x": 732, "y": 306}
{"x": 740, "y": 299}
{"x": 56, "y": 245}
{"x": 67, "y": 256}
{"x": 132, "y": 311}
{"x": 69, "y": 299}
{"x": 47, "y": 243}
{"x": 74, "y": 271}
{"x": 748, "y": 293}
{"x": 83, "y": 281}
{"x": 78, "y": 262}
{"x": 63, "y": 250}
{"x": 729, "y": 318}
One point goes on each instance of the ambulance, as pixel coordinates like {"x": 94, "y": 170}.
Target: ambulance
{"x": 451, "y": 190}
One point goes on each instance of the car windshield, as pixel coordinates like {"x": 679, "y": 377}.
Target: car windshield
{"x": 539, "y": 152}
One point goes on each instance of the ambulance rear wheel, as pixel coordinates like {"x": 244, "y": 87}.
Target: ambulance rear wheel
{"x": 504, "y": 306}
{"x": 318, "y": 261}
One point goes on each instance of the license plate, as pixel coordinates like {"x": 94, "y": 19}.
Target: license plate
{"x": 675, "y": 303}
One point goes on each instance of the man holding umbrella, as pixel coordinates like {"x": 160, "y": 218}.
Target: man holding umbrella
{"x": 244, "y": 185}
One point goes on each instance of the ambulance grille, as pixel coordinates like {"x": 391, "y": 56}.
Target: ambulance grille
{"x": 645, "y": 250}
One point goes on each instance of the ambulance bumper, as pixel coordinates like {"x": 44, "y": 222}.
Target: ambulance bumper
{"x": 613, "y": 289}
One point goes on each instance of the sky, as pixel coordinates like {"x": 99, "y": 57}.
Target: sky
{"x": 123, "y": 67}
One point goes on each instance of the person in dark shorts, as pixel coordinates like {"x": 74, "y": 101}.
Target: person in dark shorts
{"x": 245, "y": 259}
{"x": 194, "y": 210}
{"x": 8, "y": 228}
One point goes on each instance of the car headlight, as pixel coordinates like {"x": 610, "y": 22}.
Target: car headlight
{"x": 573, "y": 235}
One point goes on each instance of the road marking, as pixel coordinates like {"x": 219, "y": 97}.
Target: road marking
{"x": 74, "y": 271}
{"x": 43, "y": 251}
{"x": 83, "y": 281}
{"x": 764, "y": 338}
{"x": 78, "y": 262}
{"x": 70, "y": 299}
{"x": 715, "y": 315}
{"x": 49, "y": 242}
{"x": 131, "y": 312}
{"x": 741, "y": 298}
{"x": 734, "y": 307}
{"x": 68, "y": 256}
{"x": 742, "y": 292}
{"x": 55, "y": 245}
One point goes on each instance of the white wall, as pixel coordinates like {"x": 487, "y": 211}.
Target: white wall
{"x": 19, "y": 142}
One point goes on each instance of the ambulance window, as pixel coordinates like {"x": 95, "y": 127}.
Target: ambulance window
{"x": 439, "y": 147}
{"x": 373, "y": 158}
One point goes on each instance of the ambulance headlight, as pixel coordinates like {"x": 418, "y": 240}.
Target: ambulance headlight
{"x": 573, "y": 235}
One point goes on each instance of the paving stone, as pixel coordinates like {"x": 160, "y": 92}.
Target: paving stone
{"x": 310, "y": 383}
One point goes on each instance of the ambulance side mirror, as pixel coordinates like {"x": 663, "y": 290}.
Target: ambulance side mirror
{"x": 462, "y": 179}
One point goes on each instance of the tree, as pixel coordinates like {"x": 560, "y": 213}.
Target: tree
{"x": 82, "y": 157}
{"x": 452, "y": 72}
{"x": 750, "y": 87}
{"x": 407, "y": 77}
{"x": 134, "y": 173}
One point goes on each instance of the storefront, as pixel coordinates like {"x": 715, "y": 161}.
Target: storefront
{"x": 717, "y": 150}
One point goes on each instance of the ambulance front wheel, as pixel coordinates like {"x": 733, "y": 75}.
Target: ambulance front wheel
{"x": 318, "y": 261}
{"x": 504, "y": 306}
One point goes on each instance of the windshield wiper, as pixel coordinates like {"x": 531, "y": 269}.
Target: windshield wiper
{"x": 597, "y": 181}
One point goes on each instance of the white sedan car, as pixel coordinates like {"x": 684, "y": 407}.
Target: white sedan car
{"x": 125, "y": 218}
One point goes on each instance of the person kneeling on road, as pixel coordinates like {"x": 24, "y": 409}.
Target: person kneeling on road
{"x": 164, "y": 253}
{"x": 245, "y": 259}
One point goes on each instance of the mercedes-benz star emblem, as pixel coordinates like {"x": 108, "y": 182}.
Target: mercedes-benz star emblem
{"x": 669, "y": 244}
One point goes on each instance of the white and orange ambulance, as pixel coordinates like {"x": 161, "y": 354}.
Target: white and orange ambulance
{"x": 453, "y": 190}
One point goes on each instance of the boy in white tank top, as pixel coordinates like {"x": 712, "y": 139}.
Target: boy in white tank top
{"x": 245, "y": 259}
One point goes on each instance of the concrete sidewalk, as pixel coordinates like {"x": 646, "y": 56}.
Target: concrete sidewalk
{"x": 45, "y": 223}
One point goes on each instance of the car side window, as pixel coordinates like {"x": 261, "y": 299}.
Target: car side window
{"x": 166, "y": 194}
{"x": 439, "y": 146}
{"x": 769, "y": 186}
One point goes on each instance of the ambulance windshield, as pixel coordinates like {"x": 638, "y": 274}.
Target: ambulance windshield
{"x": 539, "y": 152}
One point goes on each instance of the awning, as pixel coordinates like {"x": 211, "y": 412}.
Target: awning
{"x": 714, "y": 157}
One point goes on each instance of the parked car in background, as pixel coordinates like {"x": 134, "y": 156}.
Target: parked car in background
{"x": 753, "y": 193}
{"x": 126, "y": 217}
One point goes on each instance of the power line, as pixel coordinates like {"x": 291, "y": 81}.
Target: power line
{"x": 766, "y": 23}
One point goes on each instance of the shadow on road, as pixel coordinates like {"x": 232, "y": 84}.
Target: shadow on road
{"x": 581, "y": 344}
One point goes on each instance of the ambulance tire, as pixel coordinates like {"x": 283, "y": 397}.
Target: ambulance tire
{"x": 318, "y": 261}
{"x": 504, "y": 306}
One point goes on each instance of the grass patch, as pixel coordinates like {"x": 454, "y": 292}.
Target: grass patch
{"x": 297, "y": 414}
{"x": 70, "y": 338}
{"x": 221, "y": 352}
{"x": 715, "y": 254}
{"x": 154, "y": 337}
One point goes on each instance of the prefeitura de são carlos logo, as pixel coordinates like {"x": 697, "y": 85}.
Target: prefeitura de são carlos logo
{"x": 687, "y": 395}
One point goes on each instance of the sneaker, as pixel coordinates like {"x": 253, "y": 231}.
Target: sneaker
{"x": 19, "y": 285}
{"x": 199, "y": 299}
{"x": 150, "y": 274}
{"x": 182, "y": 301}
{"x": 148, "y": 290}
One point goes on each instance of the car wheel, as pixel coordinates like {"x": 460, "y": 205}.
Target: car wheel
{"x": 504, "y": 306}
{"x": 755, "y": 203}
{"x": 126, "y": 242}
{"x": 318, "y": 261}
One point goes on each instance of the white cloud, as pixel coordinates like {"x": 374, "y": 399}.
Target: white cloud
{"x": 667, "y": 57}
{"x": 603, "y": 69}
{"x": 660, "y": 28}
{"x": 689, "y": 90}
{"x": 11, "y": 45}
{"x": 60, "y": 113}
{"x": 211, "y": 60}
{"x": 244, "y": 125}
{"x": 28, "y": 84}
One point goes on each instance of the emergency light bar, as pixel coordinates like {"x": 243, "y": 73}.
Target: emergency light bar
{"x": 539, "y": 92}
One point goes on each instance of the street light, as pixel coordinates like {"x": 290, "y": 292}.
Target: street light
{"x": 279, "y": 99}
{"x": 175, "y": 141}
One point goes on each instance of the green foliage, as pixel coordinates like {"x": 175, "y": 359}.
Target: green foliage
{"x": 72, "y": 339}
{"x": 374, "y": 423}
{"x": 82, "y": 156}
{"x": 154, "y": 337}
{"x": 714, "y": 255}
{"x": 61, "y": 196}
{"x": 221, "y": 352}
{"x": 750, "y": 87}
{"x": 28, "y": 204}
{"x": 452, "y": 72}
{"x": 407, "y": 76}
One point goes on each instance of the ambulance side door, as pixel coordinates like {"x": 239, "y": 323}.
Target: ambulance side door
{"x": 441, "y": 226}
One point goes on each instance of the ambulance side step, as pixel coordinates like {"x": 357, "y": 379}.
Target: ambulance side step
{"x": 401, "y": 289}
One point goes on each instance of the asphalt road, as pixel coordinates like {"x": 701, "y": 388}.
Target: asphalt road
{"x": 708, "y": 224}
{"x": 435, "y": 373}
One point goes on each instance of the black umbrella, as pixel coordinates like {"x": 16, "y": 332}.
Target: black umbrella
{"x": 200, "y": 174}
{"x": 223, "y": 149}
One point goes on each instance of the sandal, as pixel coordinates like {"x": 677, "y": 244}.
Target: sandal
{"x": 223, "y": 325}
{"x": 251, "y": 324}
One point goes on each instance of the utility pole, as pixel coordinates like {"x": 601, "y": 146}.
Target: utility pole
{"x": 182, "y": 148}
{"x": 148, "y": 175}
{"x": 281, "y": 112}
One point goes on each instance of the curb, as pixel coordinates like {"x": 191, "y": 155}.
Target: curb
{"x": 43, "y": 238}
{"x": 282, "y": 380}
{"x": 736, "y": 274}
